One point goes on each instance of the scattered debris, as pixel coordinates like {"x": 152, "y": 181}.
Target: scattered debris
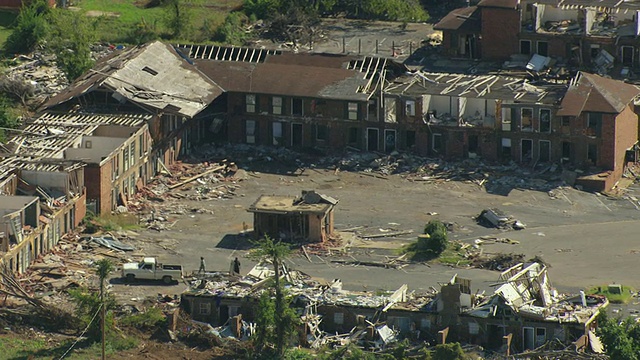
{"x": 498, "y": 219}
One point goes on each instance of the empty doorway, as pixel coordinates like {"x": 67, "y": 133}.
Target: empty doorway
{"x": 372, "y": 139}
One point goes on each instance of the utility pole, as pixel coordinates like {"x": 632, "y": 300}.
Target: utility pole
{"x": 104, "y": 314}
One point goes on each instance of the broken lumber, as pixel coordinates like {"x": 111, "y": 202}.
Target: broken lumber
{"x": 217, "y": 168}
{"x": 405, "y": 232}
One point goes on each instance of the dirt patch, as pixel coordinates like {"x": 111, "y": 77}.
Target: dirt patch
{"x": 158, "y": 351}
{"x": 98, "y": 13}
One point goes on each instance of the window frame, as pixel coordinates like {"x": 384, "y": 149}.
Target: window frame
{"x": 352, "y": 110}
{"x": 276, "y": 109}
{"x": 250, "y": 102}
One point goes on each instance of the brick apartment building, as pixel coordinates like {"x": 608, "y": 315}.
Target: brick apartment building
{"x": 601, "y": 34}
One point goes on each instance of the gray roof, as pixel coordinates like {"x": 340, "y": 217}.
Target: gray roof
{"x": 153, "y": 76}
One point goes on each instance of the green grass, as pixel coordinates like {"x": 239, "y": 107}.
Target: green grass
{"x": 625, "y": 297}
{"x": 130, "y": 13}
{"x": 453, "y": 255}
{"x": 15, "y": 347}
{"x": 20, "y": 348}
{"x": 6, "y": 20}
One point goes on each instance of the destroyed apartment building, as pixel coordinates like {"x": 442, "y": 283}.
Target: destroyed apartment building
{"x": 603, "y": 34}
{"x": 97, "y": 142}
{"x": 591, "y": 125}
{"x": 140, "y": 109}
{"x": 290, "y": 218}
{"x": 374, "y": 105}
{"x": 44, "y": 198}
{"x": 524, "y": 306}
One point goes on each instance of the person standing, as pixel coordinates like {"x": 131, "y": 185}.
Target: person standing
{"x": 202, "y": 266}
{"x": 236, "y": 266}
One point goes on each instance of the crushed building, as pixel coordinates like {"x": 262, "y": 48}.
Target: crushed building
{"x": 524, "y": 305}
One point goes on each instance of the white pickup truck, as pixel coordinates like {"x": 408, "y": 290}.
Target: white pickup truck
{"x": 150, "y": 269}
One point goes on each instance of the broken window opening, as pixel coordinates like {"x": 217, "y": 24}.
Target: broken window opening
{"x": 125, "y": 157}
{"x": 276, "y": 105}
{"x": 592, "y": 154}
{"x": 526, "y": 119}
{"x": 436, "y": 143}
{"x": 410, "y": 108}
{"x": 389, "y": 140}
{"x": 627, "y": 55}
{"x": 353, "y": 135}
{"x": 545, "y": 120}
{"x": 250, "y": 100}
{"x": 525, "y": 47}
{"x": 372, "y": 139}
{"x": 526, "y": 150}
{"x": 410, "y": 139}
{"x": 566, "y": 151}
{"x": 543, "y": 48}
{"x": 544, "y": 151}
{"x": 566, "y": 121}
{"x": 276, "y": 133}
{"x": 250, "y": 131}
{"x": 296, "y": 107}
{"x": 296, "y": 135}
{"x": 322, "y": 132}
{"x": 594, "y": 124}
{"x": 473, "y": 144}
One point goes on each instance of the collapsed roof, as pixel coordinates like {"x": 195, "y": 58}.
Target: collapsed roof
{"x": 528, "y": 292}
{"x": 329, "y": 76}
{"x": 153, "y": 76}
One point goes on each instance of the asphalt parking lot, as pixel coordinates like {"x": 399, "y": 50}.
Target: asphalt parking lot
{"x": 587, "y": 239}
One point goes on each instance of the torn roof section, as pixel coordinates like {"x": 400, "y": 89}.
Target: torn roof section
{"x": 330, "y": 76}
{"x": 465, "y": 19}
{"x": 52, "y": 135}
{"x": 153, "y": 76}
{"x": 310, "y": 202}
{"x": 593, "y": 93}
{"x": 474, "y": 86}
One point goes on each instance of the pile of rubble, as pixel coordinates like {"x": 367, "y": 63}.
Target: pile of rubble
{"x": 39, "y": 75}
{"x": 183, "y": 181}
{"x": 411, "y": 166}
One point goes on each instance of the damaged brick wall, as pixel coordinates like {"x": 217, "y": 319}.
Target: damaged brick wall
{"x": 500, "y": 29}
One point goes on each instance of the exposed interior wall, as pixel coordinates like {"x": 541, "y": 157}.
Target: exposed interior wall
{"x": 94, "y": 149}
{"x": 47, "y": 179}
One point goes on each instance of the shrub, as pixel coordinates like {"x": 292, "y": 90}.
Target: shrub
{"x": 147, "y": 320}
{"x": 450, "y": 351}
{"x": 30, "y": 29}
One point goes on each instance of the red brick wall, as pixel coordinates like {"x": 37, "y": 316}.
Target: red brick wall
{"x": 500, "y": 29}
{"x": 80, "y": 209}
{"x": 626, "y": 135}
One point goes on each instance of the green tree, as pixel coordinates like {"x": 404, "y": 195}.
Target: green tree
{"x": 70, "y": 38}
{"x": 30, "y": 28}
{"x": 436, "y": 241}
{"x": 231, "y": 31}
{"x": 104, "y": 267}
{"x": 263, "y": 9}
{"x": 621, "y": 338}
{"x": 449, "y": 351}
{"x": 178, "y": 16}
{"x": 285, "y": 319}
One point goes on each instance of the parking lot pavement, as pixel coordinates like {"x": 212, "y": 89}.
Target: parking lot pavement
{"x": 587, "y": 239}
